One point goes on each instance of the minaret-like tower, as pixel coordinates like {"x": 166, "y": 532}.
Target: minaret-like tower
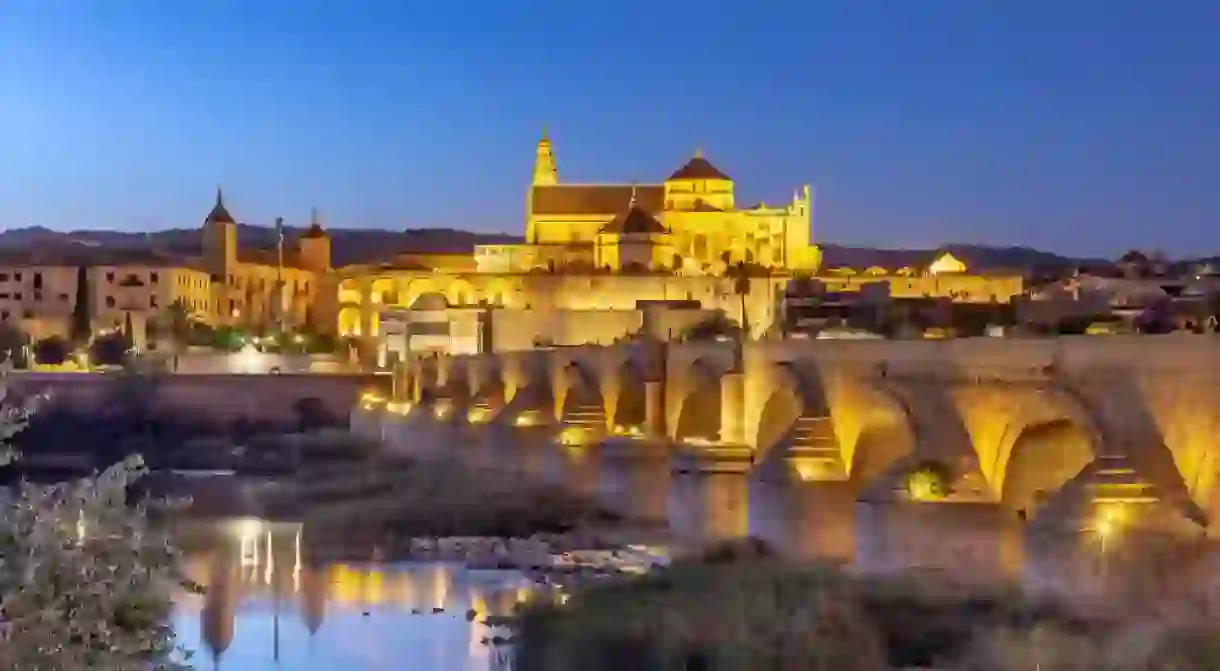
{"x": 545, "y": 172}
{"x": 220, "y": 238}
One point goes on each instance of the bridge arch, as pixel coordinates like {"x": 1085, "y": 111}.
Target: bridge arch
{"x": 1042, "y": 458}
{"x": 577, "y": 390}
{"x": 788, "y": 400}
{"x": 1048, "y": 439}
{"x": 834, "y": 423}
{"x": 699, "y": 409}
{"x": 631, "y": 402}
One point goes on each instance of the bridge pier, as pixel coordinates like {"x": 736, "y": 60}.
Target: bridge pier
{"x": 634, "y": 477}
{"x": 806, "y": 520}
{"x": 709, "y": 507}
{"x": 977, "y": 541}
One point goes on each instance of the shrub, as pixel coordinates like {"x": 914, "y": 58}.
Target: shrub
{"x": 51, "y": 351}
{"x": 767, "y": 617}
{"x": 109, "y": 350}
{"x": 86, "y": 579}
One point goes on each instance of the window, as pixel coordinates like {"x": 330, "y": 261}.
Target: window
{"x": 17, "y": 276}
{"x": 16, "y": 297}
{"x": 110, "y": 301}
{"x": 4, "y": 314}
{"x": 152, "y": 301}
{"x": 110, "y": 277}
{"x": 27, "y": 314}
{"x": 3, "y": 277}
{"x": 4, "y": 297}
{"x": 152, "y": 277}
{"x": 38, "y": 295}
{"x": 63, "y": 297}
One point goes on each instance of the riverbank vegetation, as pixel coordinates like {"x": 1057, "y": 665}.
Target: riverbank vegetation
{"x": 385, "y": 501}
{"x": 86, "y": 574}
{"x": 739, "y": 611}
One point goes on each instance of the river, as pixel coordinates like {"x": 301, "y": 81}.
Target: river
{"x": 266, "y": 607}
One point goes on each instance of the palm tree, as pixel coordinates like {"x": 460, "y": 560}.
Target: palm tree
{"x": 741, "y": 286}
{"x": 176, "y": 320}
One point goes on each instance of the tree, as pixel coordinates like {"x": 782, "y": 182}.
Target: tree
{"x": 109, "y": 350}
{"x": 741, "y": 287}
{"x": 51, "y": 351}
{"x": 129, "y": 334}
{"x": 176, "y": 321}
{"x": 12, "y": 344}
{"x": 81, "y": 326}
{"x": 86, "y": 580}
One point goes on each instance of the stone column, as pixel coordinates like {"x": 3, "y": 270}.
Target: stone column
{"x": 654, "y": 409}
{"x": 732, "y": 408}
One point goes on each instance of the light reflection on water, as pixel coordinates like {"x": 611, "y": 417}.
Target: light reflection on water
{"x": 263, "y": 609}
{"x": 265, "y": 605}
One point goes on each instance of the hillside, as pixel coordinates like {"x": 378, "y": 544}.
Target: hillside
{"x": 369, "y": 245}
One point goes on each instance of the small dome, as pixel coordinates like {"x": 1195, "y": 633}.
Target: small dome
{"x": 430, "y": 301}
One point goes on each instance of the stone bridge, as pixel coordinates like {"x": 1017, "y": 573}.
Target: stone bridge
{"x": 1020, "y": 423}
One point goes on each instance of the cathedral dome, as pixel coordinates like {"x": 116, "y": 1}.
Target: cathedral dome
{"x": 315, "y": 230}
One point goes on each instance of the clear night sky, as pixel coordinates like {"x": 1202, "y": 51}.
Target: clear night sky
{"x": 1083, "y": 126}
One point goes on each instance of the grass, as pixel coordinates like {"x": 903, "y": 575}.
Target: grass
{"x": 757, "y": 613}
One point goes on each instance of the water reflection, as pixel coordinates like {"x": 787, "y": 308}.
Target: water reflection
{"x": 265, "y": 609}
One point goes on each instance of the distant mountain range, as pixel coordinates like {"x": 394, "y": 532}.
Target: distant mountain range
{"x": 352, "y": 246}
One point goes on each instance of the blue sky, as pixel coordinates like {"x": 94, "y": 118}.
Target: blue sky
{"x": 1083, "y": 126}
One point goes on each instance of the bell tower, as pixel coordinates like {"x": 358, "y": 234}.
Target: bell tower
{"x": 545, "y": 172}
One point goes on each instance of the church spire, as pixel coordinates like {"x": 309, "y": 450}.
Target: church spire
{"x": 545, "y": 173}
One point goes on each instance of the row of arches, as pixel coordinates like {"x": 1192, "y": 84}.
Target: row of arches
{"x": 1018, "y": 446}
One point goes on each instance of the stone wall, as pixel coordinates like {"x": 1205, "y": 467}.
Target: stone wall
{"x": 221, "y": 398}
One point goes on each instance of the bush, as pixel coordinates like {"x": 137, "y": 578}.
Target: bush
{"x": 86, "y": 581}
{"x": 109, "y": 350}
{"x": 769, "y": 617}
{"x": 51, "y": 351}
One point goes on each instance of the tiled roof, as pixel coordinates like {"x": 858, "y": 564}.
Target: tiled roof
{"x": 219, "y": 214}
{"x": 594, "y": 199}
{"x": 314, "y": 231}
{"x": 268, "y": 257}
{"x": 634, "y": 221}
{"x": 698, "y": 168}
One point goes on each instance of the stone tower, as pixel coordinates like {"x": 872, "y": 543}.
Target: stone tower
{"x": 314, "y": 246}
{"x": 219, "y": 240}
{"x": 545, "y": 172}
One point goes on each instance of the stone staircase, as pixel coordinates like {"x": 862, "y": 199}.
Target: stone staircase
{"x": 1114, "y": 481}
{"x": 587, "y": 415}
{"x": 813, "y": 450}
